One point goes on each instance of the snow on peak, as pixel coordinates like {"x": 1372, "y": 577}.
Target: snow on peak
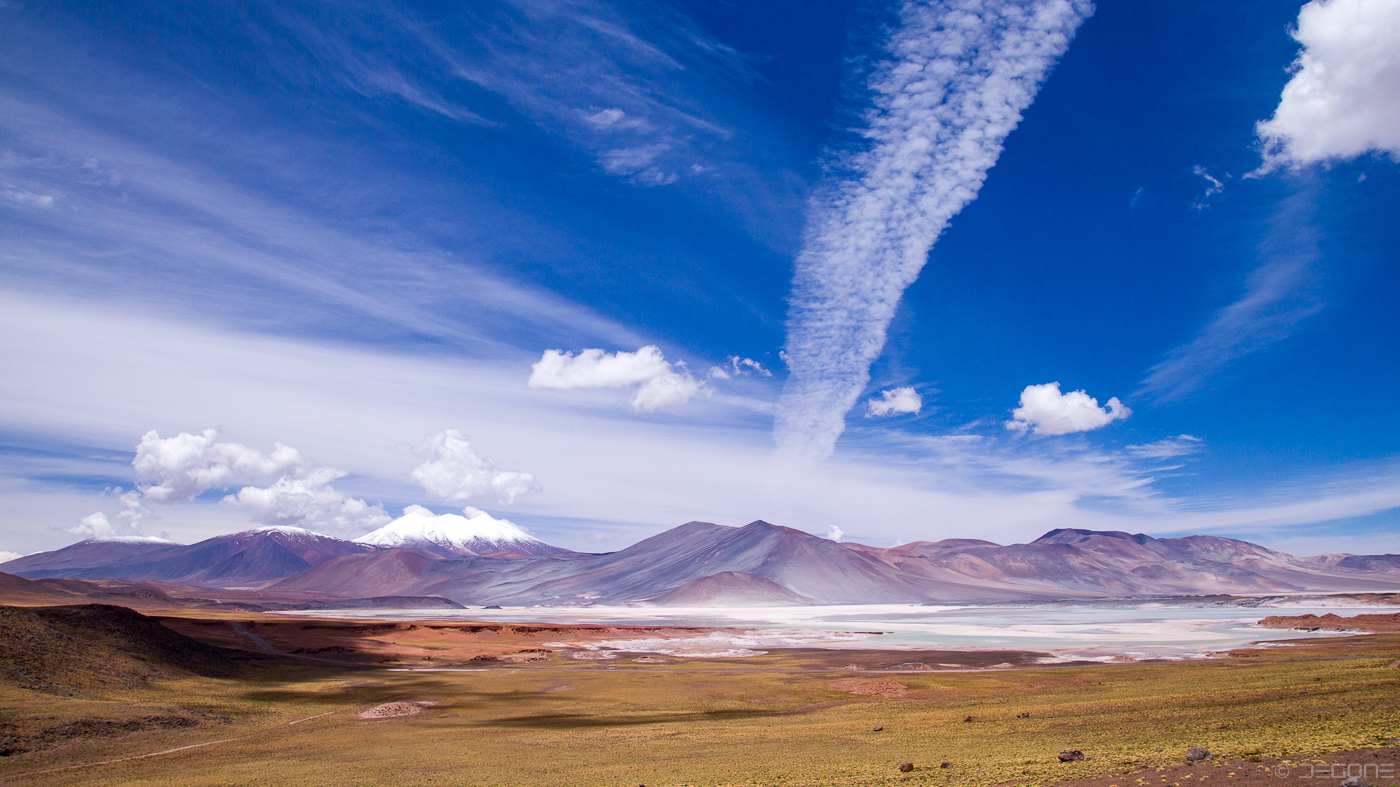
{"x": 286, "y": 530}
{"x": 131, "y": 540}
{"x": 473, "y": 534}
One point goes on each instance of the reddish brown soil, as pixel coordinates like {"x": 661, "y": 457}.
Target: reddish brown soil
{"x": 1331, "y": 622}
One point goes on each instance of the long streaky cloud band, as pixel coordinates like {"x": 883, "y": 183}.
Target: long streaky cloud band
{"x": 955, "y": 80}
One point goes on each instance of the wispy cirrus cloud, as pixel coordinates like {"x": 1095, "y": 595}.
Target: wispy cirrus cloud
{"x": 952, "y": 84}
{"x": 191, "y": 236}
{"x": 628, "y": 83}
{"x": 1167, "y": 448}
{"x": 1279, "y": 295}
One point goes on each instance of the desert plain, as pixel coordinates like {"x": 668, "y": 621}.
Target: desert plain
{"x": 104, "y": 695}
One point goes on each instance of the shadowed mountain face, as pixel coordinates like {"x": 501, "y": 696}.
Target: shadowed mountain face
{"x": 760, "y": 563}
{"x": 242, "y": 559}
{"x": 82, "y": 555}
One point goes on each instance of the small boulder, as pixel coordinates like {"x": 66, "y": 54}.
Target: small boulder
{"x": 945, "y": 764}
{"x": 1355, "y": 781}
{"x": 1071, "y": 755}
{"x": 969, "y": 718}
{"x": 879, "y": 729}
{"x": 1197, "y": 753}
{"x": 905, "y": 767}
{"x": 1023, "y": 715}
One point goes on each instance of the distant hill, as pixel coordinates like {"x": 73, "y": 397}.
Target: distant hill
{"x": 72, "y": 648}
{"x": 245, "y": 559}
{"x": 700, "y": 563}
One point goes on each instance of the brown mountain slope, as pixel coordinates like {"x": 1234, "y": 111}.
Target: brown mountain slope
{"x": 732, "y": 589}
{"x": 71, "y": 649}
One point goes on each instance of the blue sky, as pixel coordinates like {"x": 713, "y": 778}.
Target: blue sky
{"x": 349, "y": 228}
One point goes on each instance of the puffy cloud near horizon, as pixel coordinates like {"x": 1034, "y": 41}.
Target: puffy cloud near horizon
{"x": 455, "y": 473}
{"x": 950, "y": 85}
{"x": 1170, "y": 447}
{"x": 187, "y": 465}
{"x": 129, "y": 514}
{"x": 279, "y": 488}
{"x": 6, "y": 556}
{"x": 1344, "y": 98}
{"x": 310, "y": 501}
{"x": 659, "y": 382}
{"x": 1047, "y": 411}
{"x": 835, "y": 533}
{"x": 895, "y": 401}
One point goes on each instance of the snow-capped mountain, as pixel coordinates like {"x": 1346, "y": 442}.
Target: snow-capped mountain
{"x": 455, "y": 535}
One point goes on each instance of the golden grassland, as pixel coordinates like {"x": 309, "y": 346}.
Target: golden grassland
{"x": 780, "y": 719}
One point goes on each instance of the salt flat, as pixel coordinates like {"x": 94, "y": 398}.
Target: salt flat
{"x": 1099, "y": 630}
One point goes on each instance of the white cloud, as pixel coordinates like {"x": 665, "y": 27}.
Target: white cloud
{"x": 6, "y": 556}
{"x": 1344, "y": 97}
{"x": 662, "y": 383}
{"x": 310, "y": 501}
{"x": 93, "y": 526}
{"x": 1048, "y": 412}
{"x": 835, "y": 533}
{"x": 1214, "y": 186}
{"x": 737, "y": 367}
{"x": 954, "y": 81}
{"x": 455, "y": 473}
{"x": 128, "y": 512}
{"x": 186, "y": 465}
{"x": 21, "y": 197}
{"x": 279, "y": 488}
{"x": 1181, "y": 445}
{"x": 895, "y": 401}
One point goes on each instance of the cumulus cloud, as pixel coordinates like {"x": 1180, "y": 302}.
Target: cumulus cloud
{"x": 6, "y": 556}
{"x": 122, "y": 519}
{"x": 1046, "y": 411}
{"x": 186, "y": 465}
{"x": 835, "y": 533}
{"x": 894, "y": 401}
{"x": 659, "y": 382}
{"x": 310, "y": 501}
{"x": 453, "y": 472}
{"x": 1344, "y": 97}
{"x": 279, "y": 488}
{"x": 952, "y": 84}
{"x": 1181, "y": 445}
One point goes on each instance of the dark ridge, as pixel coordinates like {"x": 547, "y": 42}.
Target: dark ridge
{"x": 71, "y": 649}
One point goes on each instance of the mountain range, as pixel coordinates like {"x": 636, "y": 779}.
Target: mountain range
{"x": 703, "y": 564}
